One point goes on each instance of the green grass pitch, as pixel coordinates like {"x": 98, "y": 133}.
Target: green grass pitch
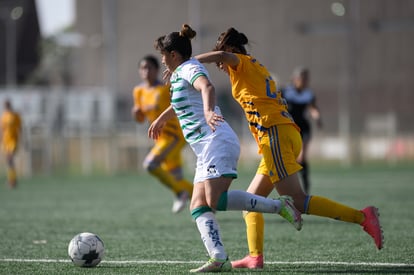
{"x": 131, "y": 213}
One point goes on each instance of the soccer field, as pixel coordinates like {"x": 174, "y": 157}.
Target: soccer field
{"x": 131, "y": 213}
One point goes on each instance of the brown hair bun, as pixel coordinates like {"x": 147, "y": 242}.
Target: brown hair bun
{"x": 187, "y": 31}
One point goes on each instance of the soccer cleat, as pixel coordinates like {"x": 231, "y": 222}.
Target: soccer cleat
{"x": 180, "y": 202}
{"x": 372, "y": 225}
{"x": 290, "y": 213}
{"x": 250, "y": 262}
{"x": 213, "y": 265}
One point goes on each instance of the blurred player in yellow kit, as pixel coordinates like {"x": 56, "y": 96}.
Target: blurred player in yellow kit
{"x": 164, "y": 161}
{"x": 11, "y": 126}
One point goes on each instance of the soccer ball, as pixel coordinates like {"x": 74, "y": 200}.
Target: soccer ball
{"x": 86, "y": 249}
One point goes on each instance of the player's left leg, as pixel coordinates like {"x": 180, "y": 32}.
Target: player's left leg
{"x": 324, "y": 207}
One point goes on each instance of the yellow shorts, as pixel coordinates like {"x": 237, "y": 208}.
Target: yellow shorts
{"x": 280, "y": 146}
{"x": 168, "y": 147}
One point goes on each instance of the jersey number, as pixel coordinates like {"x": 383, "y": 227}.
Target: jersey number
{"x": 269, "y": 93}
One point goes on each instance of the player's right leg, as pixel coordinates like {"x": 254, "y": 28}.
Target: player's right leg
{"x": 280, "y": 147}
{"x": 260, "y": 185}
{"x": 204, "y": 193}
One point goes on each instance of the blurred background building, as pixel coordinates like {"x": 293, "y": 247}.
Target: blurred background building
{"x": 74, "y": 87}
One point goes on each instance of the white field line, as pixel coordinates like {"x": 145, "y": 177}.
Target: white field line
{"x": 194, "y": 262}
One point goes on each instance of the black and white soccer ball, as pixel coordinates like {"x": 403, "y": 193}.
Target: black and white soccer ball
{"x": 86, "y": 249}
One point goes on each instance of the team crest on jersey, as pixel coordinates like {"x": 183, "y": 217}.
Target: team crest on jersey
{"x": 174, "y": 77}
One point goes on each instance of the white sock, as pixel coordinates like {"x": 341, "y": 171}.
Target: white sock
{"x": 210, "y": 234}
{"x": 241, "y": 200}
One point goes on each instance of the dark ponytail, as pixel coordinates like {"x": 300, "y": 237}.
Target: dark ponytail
{"x": 232, "y": 39}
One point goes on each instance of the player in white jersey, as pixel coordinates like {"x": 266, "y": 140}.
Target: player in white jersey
{"x": 215, "y": 144}
{"x": 217, "y": 151}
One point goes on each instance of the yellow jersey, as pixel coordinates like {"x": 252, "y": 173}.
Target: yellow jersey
{"x": 11, "y": 125}
{"x": 152, "y": 101}
{"x": 255, "y": 91}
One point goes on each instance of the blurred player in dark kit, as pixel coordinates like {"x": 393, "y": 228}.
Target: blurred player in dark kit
{"x": 302, "y": 104}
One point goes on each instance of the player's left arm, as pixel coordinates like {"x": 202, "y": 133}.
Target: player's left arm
{"x": 315, "y": 112}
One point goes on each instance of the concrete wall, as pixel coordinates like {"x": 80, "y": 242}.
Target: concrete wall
{"x": 361, "y": 63}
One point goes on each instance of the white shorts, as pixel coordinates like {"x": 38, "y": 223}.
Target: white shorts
{"x": 217, "y": 154}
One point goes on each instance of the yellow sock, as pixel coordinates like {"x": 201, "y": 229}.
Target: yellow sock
{"x": 324, "y": 207}
{"x": 255, "y": 232}
{"x": 167, "y": 179}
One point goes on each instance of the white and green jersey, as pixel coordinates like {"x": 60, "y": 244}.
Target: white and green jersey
{"x": 187, "y": 102}
{"x": 217, "y": 152}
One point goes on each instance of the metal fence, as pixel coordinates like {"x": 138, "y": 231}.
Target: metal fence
{"x": 77, "y": 131}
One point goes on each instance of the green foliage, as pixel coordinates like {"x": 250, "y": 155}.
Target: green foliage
{"x": 131, "y": 213}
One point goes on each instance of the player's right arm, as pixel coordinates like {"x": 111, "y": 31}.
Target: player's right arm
{"x": 137, "y": 114}
{"x": 218, "y": 57}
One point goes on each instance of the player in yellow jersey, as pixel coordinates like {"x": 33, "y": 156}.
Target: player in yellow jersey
{"x": 279, "y": 142}
{"x": 164, "y": 161}
{"x": 11, "y": 127}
